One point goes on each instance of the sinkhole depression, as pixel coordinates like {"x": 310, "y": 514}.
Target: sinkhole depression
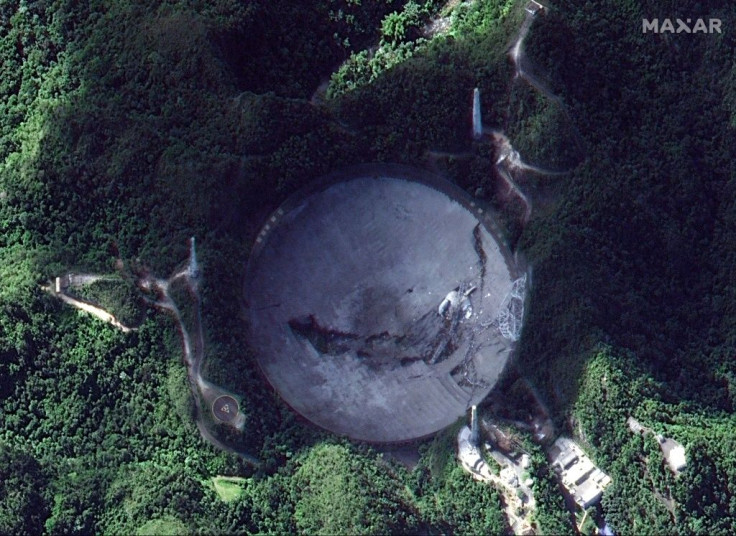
{"x": 381, "y": 303}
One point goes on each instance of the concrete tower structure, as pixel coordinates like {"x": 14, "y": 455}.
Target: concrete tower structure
{"x": 474, "y": 427}
{"x": 477, "y": 122}
{"x": 193, "y": 266}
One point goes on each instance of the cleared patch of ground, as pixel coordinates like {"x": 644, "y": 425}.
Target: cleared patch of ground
{"x": 228, "y": 488}
{"x": 165, "y": 526}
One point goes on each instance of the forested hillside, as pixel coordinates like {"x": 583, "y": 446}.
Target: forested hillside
{"x": 639, "y": 256}
{"x": 127, "y": 127}
{"x": 645, "y": 229}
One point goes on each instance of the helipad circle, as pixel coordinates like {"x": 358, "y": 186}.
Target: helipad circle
{"x": 374, "y": 303}
{"x": 225, "y": 408}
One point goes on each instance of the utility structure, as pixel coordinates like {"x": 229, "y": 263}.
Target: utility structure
{"x": 193, "y": 269}
{"x": 477, "y": 122}
{"x": 474, "y": 427}
{"x": 534, "y": 7}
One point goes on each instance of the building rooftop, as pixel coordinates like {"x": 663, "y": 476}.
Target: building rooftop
{"x": 587, "y": 494}
{"x": 567, "y": 460}
{"x": 578, "y": 472}
{"x": 674, "y": 454}
{"x": 579, "y": 475}
{"x": 634, "y": 425}
{"x": 534, "y": 7}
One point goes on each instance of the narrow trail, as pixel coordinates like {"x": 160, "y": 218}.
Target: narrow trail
{"x": 318, "y": 96}
{"x": 524, "y": 72}
{"x": 516, "y": 50}
{"x": 72, "y": 280}
{"x": 509, "y": 161}
{"x": 193, "y": 343}
{"x": 80, "y": 280}
{"x": 511, "y": 157}
{"x": 473, "y": 462}
{"x": 194, "y": 347}
{"x": 95, "y": 311}
{"x": 518, "y": 58}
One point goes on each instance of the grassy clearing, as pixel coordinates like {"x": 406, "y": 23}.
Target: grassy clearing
{"x": 228, "y": 488}
{"x": 163, "y": 527}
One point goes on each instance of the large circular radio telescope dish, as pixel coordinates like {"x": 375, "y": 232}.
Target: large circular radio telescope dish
{"x": 374, "y": 302}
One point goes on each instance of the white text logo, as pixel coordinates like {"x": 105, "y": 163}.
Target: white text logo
{"x": 681, "y": 26}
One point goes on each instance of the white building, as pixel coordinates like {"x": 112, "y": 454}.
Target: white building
{"x": 579, "y": 475}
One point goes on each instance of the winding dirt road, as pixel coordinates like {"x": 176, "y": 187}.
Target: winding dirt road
{"x": 193, "y": 344}
{"x": 194, "y": 347}
{"x": 509, "y": 161}
{"x": 71, "y": 280}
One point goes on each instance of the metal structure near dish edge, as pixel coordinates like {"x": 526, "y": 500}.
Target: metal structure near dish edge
{"x": 344, "y": 292}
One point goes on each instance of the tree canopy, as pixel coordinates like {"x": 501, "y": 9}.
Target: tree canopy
{"x": 128, "y": 127}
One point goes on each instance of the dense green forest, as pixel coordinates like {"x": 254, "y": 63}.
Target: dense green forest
{"x": 638, "y": 256}
{"x": 127, "y": 127}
